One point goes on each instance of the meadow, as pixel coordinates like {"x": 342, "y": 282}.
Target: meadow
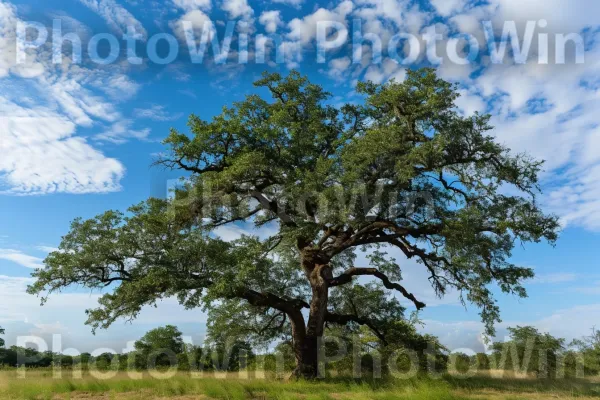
{"x": 40, "y": 385}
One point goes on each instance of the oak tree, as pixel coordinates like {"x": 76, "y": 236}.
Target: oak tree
{"x": 401, "y": 169}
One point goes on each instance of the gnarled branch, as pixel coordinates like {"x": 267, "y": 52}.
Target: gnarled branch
{"x": 347, "y": 276}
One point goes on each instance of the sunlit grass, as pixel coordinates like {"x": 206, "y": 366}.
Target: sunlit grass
{"x": 39, "y": 385}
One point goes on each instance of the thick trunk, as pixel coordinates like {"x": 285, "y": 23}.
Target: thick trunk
{"x": 306, "y": 358}
{"x": 307, "y": 349}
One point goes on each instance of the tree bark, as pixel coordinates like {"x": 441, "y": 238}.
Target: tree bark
{"x": 307, "y": 349}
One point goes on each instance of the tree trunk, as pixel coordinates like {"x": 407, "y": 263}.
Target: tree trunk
{"x": 306, "y": 349}
{"x": 306, "y": 359}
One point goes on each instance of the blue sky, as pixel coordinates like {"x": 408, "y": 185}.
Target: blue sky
{"x": 77, "y": 139}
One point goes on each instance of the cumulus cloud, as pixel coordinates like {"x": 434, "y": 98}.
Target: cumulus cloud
{"x": 304, "y": 30}
{"x": 271, "y": 20}
{"x": 237, "y": 9}
{"x": 192, "y": 25}
{"x": 190, "y": 5}
{"x": 385, "y": 71}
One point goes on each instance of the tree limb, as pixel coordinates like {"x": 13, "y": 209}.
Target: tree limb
{"x": 344, "y": 319}
{"x": 347, "y": 276}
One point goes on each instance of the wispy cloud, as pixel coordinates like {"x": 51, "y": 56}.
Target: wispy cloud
{"x": 156, "y": 113}
{"x": 41, "y": 110}
{"x": 47, "y": 249}
{"x": 115, "y": 15}
{"x": 21, "y": 258}
{"x": 555, "y": 278}
{"x": 121, "y": 132}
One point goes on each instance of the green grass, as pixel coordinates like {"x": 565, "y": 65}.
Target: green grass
{"x": 40, "y": 386}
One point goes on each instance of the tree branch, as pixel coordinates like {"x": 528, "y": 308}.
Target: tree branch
{"x": 344, "y": 319}
{"x": 347, "y": 276}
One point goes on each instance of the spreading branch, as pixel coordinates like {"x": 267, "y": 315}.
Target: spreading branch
{"x": 347, "y": 276}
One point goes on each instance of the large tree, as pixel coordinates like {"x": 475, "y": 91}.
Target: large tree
{"x": 403, "y": 169}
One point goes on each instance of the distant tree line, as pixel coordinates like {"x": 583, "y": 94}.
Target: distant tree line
{"x": 540, "y": 354}
{"x": 529, "y": 352}
{"x": 159, "y": 348}
{"x": 164, "y": 348}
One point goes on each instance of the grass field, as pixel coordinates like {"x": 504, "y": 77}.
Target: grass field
{"x": 41, "y": 385}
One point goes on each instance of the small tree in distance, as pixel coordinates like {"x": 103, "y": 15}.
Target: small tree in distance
{"x": 402, "y": 170}
{"x": 529, "y": 351}
{"x": 161, "y": 346}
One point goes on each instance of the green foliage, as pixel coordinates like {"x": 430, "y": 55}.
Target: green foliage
{"x": 1, "y": 340}
{"x": 460, "y": 362}
{"x": 161, "y": 346}
{"x": 529, "y": 351}
{"x": 588, "y": 348}
{"x": 402, "y": 170}
{"x": 481, "y": 361}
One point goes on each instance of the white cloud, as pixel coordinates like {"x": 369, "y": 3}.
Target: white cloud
{"x": 271, "y": 20}
{"x": 116, "y": 85}
{"x": 156, "y": 113}
{"x": 47, "y": 249}
{"x": 43, "y": 106}
{"x": 574, "y": 17}
{"x": 447, "y": 7}
{"x": 293, "y": 3}
{"x": 304, "y": 30}
{"x": 8, "y": 45}
{"x": 338, "y": 68}
{"x": 121, "y": 132}
{"x": 198, "y": 21}
{"x": 41, "y": 155}
{"x": 237, "y": 9}
{"x": 21, "y": 258}
{"x": 190, "y": 5}
{"x": 398, "y": 12}
{"x": 387, "y": 70}
{"x": 115, "y": 15}
{"x": 469, "y": 103}
{"x": 555, "y": 278}
{"x": 570, "y": 323}
{"x": 21, "y": 314}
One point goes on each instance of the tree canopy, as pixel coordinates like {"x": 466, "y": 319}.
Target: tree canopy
{"x": 161, "y": 345}
{"x": 529, "y": 351}
{"x": 164, "y": 338}
{"x": 402, "y": 169}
